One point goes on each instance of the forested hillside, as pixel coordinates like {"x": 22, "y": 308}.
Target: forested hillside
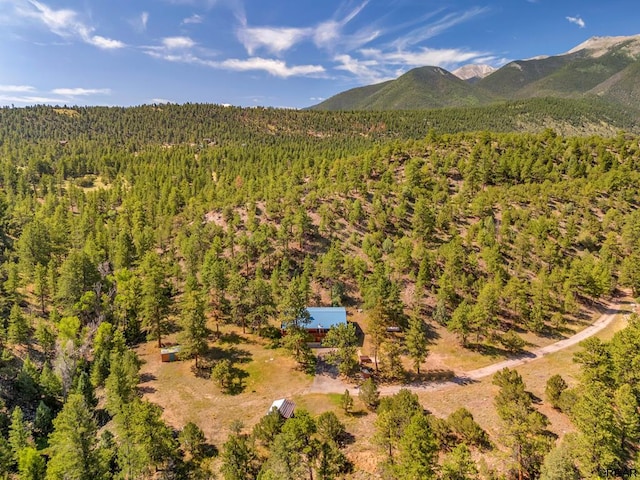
{"x": 126, "y": 226}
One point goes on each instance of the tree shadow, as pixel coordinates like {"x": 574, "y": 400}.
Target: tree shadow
{"x": 233, "y": 353}
{"x": 490, "y": 350}
{"x": 209, "y": 450}
{"x": 358, "y": 413}
{"x": 144, "y": 378}
{"x": 432, "y": 334}
{"x": 359, "y": 334}
{"x": 238, "y": 384}
{"x": 147, "y": 377}
{"x": 102, "y": 417}
{"x": 323, "y": 367}
{"x": 346, "y": 439}
{"x": 233, "y": 338}
{"x": 203, "y": 370}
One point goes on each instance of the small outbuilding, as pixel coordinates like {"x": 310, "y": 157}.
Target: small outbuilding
{"x": 170, "y": 354}
{"x": 285, "y": 407}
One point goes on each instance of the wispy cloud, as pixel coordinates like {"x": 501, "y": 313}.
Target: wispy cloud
{"x": 435, "y": 28}
{"x": 193, "y": 19}
{"x": 65, "y": 23}
{"x": 139, "y": 23}
{"x": 183, "y": 50}
{"x": 327, "y": 34}
{"x": 277, "y": 68}
{"x": 366, "y": 71}
{"x": 235, "y": 6}
{"x": 160, "y": 100}
{"x": 16, "y": 88}
{"x": 31, "y": 99}
{"x": 178, "y": 43}
{"x": 26, "y": 94}
{"x": 75, "y": 92}
{"x": 273, "y": 39}
{"x": 445, "y": 57}
{"x": 577, "y": 20}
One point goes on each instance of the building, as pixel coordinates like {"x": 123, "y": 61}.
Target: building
{"x": 170, "y": 354}
{"x": 321, "y": 319}
{"x": 285, "y": 407}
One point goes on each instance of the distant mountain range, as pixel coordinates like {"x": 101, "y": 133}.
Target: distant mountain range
{"x": 607, "y": 68}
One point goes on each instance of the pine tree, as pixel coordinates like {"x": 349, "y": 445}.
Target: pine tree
{"x": 239, "y": 459}
{"x": 193, "y": 338}
{"x": 459, "y": 465}
{"x": 524, "y": 427}
{"x": 155, "y": 299}
{"x": 343, "y": 339}
{"x": 18, "y": 331}
{"x": 417, "y": 451}
{"x": 416, "y": 342}
{"x": 31, "y": 465}
{"x": 73, "y": 443}
{"x": 19, "y": 435}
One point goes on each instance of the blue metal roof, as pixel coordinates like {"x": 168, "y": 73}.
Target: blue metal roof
{"x": 326, "y": 317}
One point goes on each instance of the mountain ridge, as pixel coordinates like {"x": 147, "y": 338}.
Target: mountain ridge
{"x": 601, "y": 66}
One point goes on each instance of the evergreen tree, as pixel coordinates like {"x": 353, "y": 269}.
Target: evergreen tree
{"x": 417, "y": 451}
{"x": 523, "y": 426}
{"x": 194, "y": 324}
{"x": 555, "y": 386}
{"x": 369, "y": 393}
{"x": 73, "y": 443}
{"x": 31, "y": 465}
{"x": 239, "y": 459}
{"x": 18, "y": 331}
{"x": 344, "y": 340}
{"x": 459, "y": 465}
{"x": 416, "y": 342}
{"x": 19, "y": 435}
{"x": 155, "y": 300}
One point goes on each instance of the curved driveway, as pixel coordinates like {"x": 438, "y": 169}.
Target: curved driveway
{"x": 327, "y": 383}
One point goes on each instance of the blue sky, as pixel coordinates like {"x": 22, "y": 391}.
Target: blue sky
{"x": 288, "y": 53}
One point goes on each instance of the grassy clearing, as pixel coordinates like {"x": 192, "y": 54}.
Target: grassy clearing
{"x": 478, "y": 397}
{"x": 187, "y": 397}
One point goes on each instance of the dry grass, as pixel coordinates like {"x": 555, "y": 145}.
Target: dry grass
{"x": 271, "y": 374}
{"x": 185, "y": 397}
{"x": 67, "y": 111}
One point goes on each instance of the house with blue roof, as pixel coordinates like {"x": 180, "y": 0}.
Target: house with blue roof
{"x": 321, "y": 319}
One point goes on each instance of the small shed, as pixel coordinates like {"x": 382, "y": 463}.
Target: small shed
{"x": 285, "y": 407}
{"x": 170, "y": 354}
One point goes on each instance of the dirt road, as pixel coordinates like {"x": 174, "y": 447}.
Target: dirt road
{"x": 328, "y": 382}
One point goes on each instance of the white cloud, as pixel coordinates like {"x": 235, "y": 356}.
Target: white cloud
{"x": 433, "y": 29}
{"x": 30, "y": 99}
{"x": 105, "y": 43}
{"x": 16, "y": 88}
{"x": 139, "y": 23}
{"x": 445, "y": 57}
{"x": 327, "y": 34}
{"x": 277, "y": 68}
{"x": 273, "y": 39}
{"x": 65, "y": 23}
{"x": 367, "y": 71}
{"x": 160, "y": 100}
{"x": 577, "y": 20}
{"x": 74, "y": 92}
{"x": 193, "y": 19}
{"x": 235, "y": 6}
{"x": 178, "y": 43}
